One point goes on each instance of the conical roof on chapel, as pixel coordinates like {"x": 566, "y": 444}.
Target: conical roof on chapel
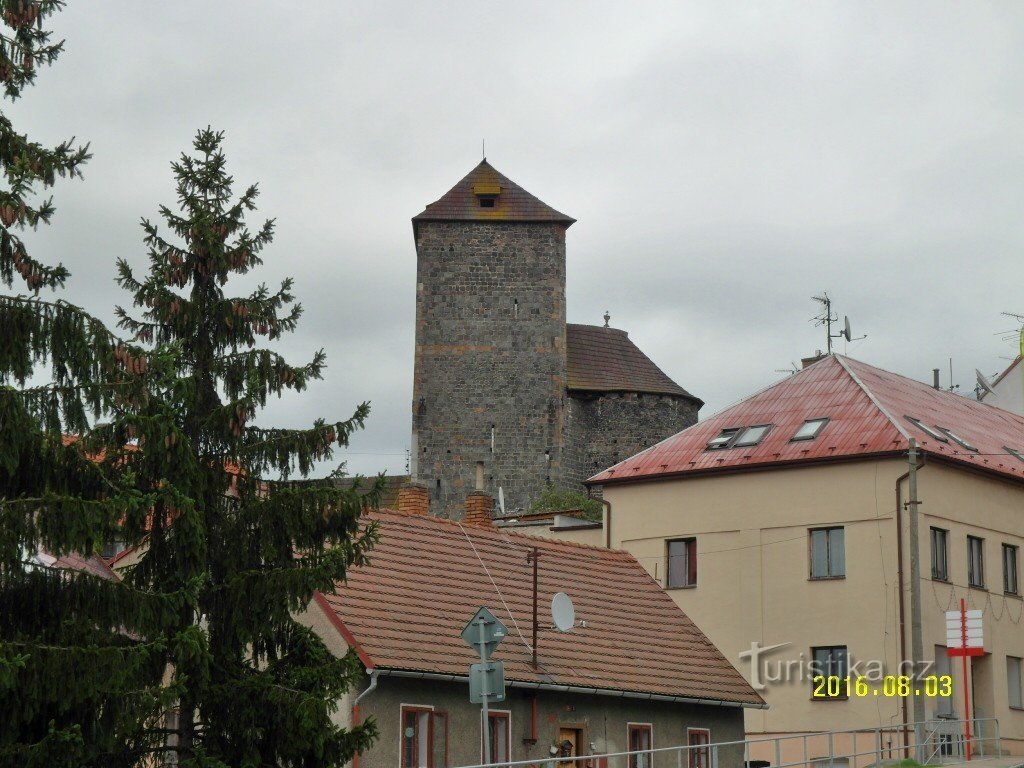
{"x": 486, "y": 195}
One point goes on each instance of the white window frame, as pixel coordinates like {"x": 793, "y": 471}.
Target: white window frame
{"x": 508, "y": 734}
{"x": 711, "y": 762}
{"x": 631, "y": 761}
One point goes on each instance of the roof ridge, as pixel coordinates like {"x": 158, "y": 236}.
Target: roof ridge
{"x": 871, "y": 396}
{"x": 505, "y": 533}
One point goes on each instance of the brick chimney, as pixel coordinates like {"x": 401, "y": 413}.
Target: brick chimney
{"x": 414, "y": 498}
{"x": 479, "y": 505}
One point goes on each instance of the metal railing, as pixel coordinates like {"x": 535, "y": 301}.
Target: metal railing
{"x": 944, "y": 741}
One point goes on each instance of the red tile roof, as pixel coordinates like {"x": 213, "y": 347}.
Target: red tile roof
{"x": 867, "y": 409}
{"x": 605, "y": 360}
{"x": 513, "y": 203}
{"x": 406, "y": 610}
{"x": 93, "y": 565}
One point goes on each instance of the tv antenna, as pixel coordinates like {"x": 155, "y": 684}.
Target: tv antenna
{"x": 826, "y": 318}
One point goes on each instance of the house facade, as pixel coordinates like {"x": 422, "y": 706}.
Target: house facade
{"x": 782, "y": 527}
{"x": 633, "y": 672}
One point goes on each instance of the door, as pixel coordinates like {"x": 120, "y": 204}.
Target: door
{"x": 569, "y": 740}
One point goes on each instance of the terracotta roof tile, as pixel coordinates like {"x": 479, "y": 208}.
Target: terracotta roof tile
{"x": 512, "y": 203}
{"x": 406, "y": 611}
{"x": 867, "y": 409}
{"x": 605, "y": 360}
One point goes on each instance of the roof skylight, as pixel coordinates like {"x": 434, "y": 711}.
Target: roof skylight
{"x": 723, "y": 439}
{"x": 956, "y": 438}
{"x": 752, "y": 435}
{"x": 930, "y": 431}
{"x": 810, "y": 429}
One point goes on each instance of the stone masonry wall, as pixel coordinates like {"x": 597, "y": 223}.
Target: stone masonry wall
{"x": 489, "y": 380}
{"x": 608, "y": 428}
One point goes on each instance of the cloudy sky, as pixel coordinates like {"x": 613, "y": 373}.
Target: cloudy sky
{"x": 725, "y": 162}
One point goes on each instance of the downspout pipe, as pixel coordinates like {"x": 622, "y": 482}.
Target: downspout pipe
{"x": 356, "y": 719}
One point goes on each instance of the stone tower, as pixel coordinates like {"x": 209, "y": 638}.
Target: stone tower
{"x": 505, "y": 394}
{"x": 489, "y": 387}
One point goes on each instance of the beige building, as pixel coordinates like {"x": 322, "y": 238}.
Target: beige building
{"x": 781, "y": 526}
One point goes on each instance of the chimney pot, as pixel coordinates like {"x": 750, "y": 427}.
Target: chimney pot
{"x": 414, "y": 498}
{"x": 479, "y": 506}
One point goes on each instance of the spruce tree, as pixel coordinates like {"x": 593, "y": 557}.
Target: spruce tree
{"x": 81, "y": 656}
{"x": 236, "y": 531}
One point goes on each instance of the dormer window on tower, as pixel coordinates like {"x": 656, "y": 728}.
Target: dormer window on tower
{"x": 486, "y": 194}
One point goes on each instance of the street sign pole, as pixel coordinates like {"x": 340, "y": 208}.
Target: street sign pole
{"x": 486, "y": 724}
{"x": 967, "y": 688}
{"x": 483, "y": 633}
{"x": 965, "y": 636}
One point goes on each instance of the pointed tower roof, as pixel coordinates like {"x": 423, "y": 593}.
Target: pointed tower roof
{"x": 486, "y": 195}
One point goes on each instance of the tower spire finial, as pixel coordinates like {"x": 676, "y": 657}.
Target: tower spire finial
{"x": 607, "y": 317}
{"x": 483, "y": 149}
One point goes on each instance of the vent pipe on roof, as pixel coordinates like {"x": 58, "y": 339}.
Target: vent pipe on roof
{"x": 935, "y": 378}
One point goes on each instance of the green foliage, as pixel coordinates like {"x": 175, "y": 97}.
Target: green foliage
{"x": 24, "y": 47}
{"x": 81, "y": 656}
{"x": 565, "y": 499}
{"x": 164, "y": 458}
{"x": 247, "y": 544}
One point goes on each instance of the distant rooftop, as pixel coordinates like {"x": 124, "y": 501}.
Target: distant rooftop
{"x": 486, "y": 195}
{"x": 836, "y": 409}
{"x": 602, "y": 359}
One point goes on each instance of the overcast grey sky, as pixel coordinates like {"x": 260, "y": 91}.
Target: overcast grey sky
{"x": 725, "y": 161}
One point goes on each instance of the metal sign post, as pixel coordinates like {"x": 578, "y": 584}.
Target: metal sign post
{"x": 486, "y": 679}
{"x": 965, "y": 637}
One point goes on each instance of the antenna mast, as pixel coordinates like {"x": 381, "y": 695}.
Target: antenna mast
{"x": 826, "y": 318}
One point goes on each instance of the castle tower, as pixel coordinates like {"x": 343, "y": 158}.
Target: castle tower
{"x": 489, "y": 388}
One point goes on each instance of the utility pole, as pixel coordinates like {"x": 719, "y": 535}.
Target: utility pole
{"x": 916, "y": 639}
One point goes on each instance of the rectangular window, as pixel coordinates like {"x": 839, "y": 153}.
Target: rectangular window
{"x": 828, "y": 553}
{"x": 501, "y": 735}
{"x": 975, "y": 562}
{"x": 1013, "y": 682}
{"x": 640, "y": 738}
{"x": 682, "y": 563}
{"x": 752, "y": 435}
{"x": 723, "y": 439}
{"x": 958, "y": 440}
{"x": 700, "y": 754}
{"x": 810, "y": 429}
{"x": 940, "y": 554}
{"x": 943, "y": 666}
{"x": 829, "y": 661}
{"x": 1010, "y": 569}
{"x": 417, "y": 736}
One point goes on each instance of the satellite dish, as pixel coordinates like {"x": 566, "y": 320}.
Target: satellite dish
{"x": 563, "y": 615}
{"x": 983, "y": 382}
{"x": 846, "y": 327}
{"x": 501, "y": 500}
